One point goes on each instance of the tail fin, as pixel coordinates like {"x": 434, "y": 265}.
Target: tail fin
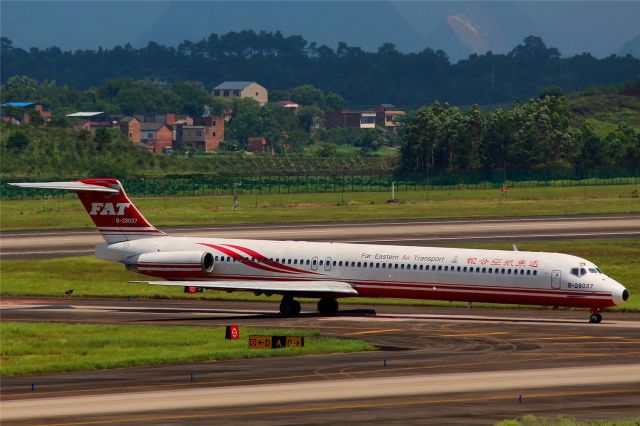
{"x": 106, "y": 202}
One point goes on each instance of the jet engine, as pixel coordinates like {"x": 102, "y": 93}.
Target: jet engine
{"x": 178, "y": 262}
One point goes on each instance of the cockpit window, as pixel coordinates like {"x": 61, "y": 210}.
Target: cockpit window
{"x": 593, "y": 270}
{"x": 578, "y": 272}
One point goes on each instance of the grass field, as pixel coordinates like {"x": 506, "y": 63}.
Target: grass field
{"x": 89, "y": 277}
{"x": 566, "y": 421}
{"x": 28, "y": 348}
{"x": 68, "y": 213}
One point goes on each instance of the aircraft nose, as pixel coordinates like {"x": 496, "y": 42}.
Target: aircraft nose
{"x": 620, "y": 294}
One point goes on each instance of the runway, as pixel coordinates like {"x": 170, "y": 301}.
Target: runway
{"x": 438, "y": 232}
{"x": 445, "y": 365}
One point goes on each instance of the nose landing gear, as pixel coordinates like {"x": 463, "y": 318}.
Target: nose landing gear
{"x": 595, "y": 317}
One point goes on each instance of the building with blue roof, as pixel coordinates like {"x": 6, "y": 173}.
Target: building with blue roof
{"x": 20, "y": 112}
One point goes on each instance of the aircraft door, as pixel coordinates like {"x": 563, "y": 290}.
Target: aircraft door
{"x": 314, "y": 263}
{"x": 327, "y": 264}
{"x": 556, "y": 279}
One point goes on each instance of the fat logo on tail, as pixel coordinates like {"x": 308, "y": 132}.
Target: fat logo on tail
{"x": 115, "y": 216}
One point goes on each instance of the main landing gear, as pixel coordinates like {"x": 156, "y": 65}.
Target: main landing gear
{"x": 328, "y": 306}
{"x": 289, "y": 307}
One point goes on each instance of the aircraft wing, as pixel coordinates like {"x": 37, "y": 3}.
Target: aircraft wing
{"x": 335, "y": 287}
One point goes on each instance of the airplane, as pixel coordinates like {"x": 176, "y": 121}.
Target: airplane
{"x": 329, "y": 271}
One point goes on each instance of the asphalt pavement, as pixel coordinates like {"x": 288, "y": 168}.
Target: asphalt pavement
{"x": 450, "y": 365}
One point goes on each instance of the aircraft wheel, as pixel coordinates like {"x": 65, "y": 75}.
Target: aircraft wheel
{"x": 328, "y": 306}
{"x": 595, "y": 318}
{"x": 289, "y": 307}
{"x": 296, "y": 307}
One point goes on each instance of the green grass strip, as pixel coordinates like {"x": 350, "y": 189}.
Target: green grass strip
{"x": 89, "y": 277}
{"x": 68, "y": 213}
{"x": 566, "y": 421}
{"x": 28, "y": 348}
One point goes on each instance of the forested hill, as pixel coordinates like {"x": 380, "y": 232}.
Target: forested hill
{"x": 363, "y": 78}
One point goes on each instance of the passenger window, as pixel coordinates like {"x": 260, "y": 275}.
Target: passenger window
{"x": 522, "y": 272}
{"x": 535, "y": 272}
{"x": 484, "y": 270}
{"x": 321, "y": 262}
{"x": 215, "y": 258}
{"x": 528, "y": 272}
{"x": 446, "y": 268}
{"x": 315, "y": 262}
{"x": 334, "y": 263}
{"x": 502, "y": 271}
{"x": 458, "y": 269}
{"x": 358, "y": 264}
{"x": 415, "y": 267}
{"x": 439, "y": 267}
{"x": 289, "y": 261}
{"x": 340, "y": 263}
{"x": 307, "y": 261}
{"x": 464, "y": 269}
{"x": 396, "y": 266}
{"x": 421, "y": 267}
{"x": 295, "y": 261}
{"x": 378, "y": 265}
{"x": 402, "y": 266}
{"x": 509, "y": 271}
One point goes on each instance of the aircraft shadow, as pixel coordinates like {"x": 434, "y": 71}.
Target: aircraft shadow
{"x": 235, "y": 315}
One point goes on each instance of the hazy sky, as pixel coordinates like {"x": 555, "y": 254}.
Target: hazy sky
{"x": 458, "y": 27}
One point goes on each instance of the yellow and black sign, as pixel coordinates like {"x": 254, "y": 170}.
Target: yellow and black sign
{"x": 275, "y": 342}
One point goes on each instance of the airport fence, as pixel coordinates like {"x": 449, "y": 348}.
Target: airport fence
{"x": 202, "y": 185}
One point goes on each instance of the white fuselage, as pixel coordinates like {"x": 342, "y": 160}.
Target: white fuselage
{"x": 470, "y": 275}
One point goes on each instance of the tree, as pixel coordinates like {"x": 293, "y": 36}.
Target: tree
{"x": 592, "y": 149}
{"x": 306, "y": 95}
{"x": 310, "y": 117}
{"x": 279, "y": 62}
{"x": 17, "y": 142}
{"x": 102, "y": 136}
{"x": 370, "y": 142}
{"x": 333, "y": 102}
{"x": 553, "y": 91}
{"x": 327, "y": 150}
{"x": 20, "y": 88}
